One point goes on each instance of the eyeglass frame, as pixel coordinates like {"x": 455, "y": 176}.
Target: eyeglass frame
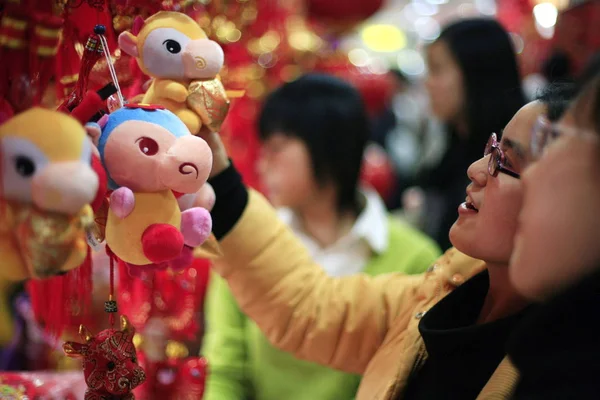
{"x": 544, "y": 129}
{"x": 496, "y": 163}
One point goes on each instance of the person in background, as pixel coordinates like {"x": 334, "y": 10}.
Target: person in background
{"x": 474, "y": 89}
{"x": 314, "y": 131}
{"x": 557, "y": 257}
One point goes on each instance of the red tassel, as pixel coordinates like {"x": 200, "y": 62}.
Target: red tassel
{"x": 91, "y": 55}
{"x": 43, "y": 46}
{"x": 63, "y": 302}
{"x": 15, "y": 84}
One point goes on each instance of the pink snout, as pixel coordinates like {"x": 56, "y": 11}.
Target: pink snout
{"x": 186, "y": 165}
{"x": 202, "y": 59}
{"x": 65, "y": 187}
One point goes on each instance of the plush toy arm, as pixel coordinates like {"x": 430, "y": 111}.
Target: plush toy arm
{"x": 171, "y": 90}
{"x": 122, "y": 202}
{"x": 196, "y": 225}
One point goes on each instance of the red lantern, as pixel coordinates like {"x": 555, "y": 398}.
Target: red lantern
{"x": 339, "y": 16}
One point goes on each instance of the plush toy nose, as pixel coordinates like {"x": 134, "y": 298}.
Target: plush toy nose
{"x": 186, "y": 165}
{"x": 203, "y": 59}
{"x": 65, "y": 187}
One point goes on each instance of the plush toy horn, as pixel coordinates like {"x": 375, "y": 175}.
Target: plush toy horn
{"x": 126, "y": 325}
{"x": 85, "y": 334}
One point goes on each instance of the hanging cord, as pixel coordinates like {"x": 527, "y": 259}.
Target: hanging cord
{"x": 110, "y": 306}
{"x": 100, "y": 30}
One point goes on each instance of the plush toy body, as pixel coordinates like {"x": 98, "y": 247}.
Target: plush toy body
{"x": 171, "y": 48}
{"x": 110, "y": 365}
{"x": 151, "y": 159}
{"x": 46, "y": 186}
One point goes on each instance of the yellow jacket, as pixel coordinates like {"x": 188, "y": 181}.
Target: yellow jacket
{"x": 358, "y": 324}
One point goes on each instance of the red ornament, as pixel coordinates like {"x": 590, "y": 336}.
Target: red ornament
{"x": 378, "y": 172}
{"x": 110, "y": 365}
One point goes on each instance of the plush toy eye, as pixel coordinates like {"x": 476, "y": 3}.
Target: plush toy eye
{"x": 148, "y": 146}
{"x": 172, "y": 46}
{"x": 24, "y": 166}
{"x": 110, "y": 365}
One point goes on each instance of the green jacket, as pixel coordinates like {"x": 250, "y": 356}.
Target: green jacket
{"x": 242, "y": 364}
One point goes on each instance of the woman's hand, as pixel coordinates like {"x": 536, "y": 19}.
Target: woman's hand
{"x": 220, "y": 158}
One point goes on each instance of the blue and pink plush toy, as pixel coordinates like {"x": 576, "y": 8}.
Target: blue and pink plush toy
{"x": 152, "y": 160}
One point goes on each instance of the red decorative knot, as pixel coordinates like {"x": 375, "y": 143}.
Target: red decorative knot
{"x": 145, "y": 107}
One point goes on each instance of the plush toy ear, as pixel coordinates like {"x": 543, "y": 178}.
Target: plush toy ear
{"x": 128, "y": 43}
{"x": 94, "y": 131}
{"x": 74, "y": 349}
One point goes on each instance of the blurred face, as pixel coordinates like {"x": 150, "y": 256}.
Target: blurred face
{"x": 286, "y": 172}
{"x": 487, "y": 221}
{"x": 557, "y": 243}
{"x": 444, "y": 83}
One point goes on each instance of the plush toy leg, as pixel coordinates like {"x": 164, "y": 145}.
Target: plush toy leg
{"x": 196, "y": 226}
{"x": 184, "y": 260}
{"x": 162, "y": 243}
{"x": 190, "y": 119}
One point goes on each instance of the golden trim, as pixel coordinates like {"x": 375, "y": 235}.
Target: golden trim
{"x": 47, "y": 32}
{"x": 65, "y": 80}
{"x": 14, "y": 23}
{"x": 6, "y": 41}
{"x": 47, "y": 51}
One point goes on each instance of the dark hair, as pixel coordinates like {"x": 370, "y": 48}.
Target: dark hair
{"x": 329, "y": 116}
{"x": 590, "y": 70}
{"x": 589, "y": 91}
{"x": 557, "y": 97}
{"x": 557, "y": 67}
{"x": 485, "y": 54}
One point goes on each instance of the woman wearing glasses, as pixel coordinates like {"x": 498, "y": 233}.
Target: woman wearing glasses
{"x": 557, "y": 257}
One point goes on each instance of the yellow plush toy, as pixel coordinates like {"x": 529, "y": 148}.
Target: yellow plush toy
{"x": 171, "y": 48}
{"x": 46, "y": 186}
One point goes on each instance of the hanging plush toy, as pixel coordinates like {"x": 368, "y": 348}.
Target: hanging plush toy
{"x": 110, "y": 363}
{"x": 151, "y": 159}
{"x": 46, "y": 186}
{"x": 171, "y": 48}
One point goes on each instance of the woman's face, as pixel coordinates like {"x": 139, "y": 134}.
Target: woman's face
{"x": 557, "y": 241}
{"x": 444, "y": 83}
{"x": 487, "y": 221}
{"x": 286, "y": 171}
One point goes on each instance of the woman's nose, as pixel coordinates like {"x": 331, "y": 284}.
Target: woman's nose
{"x": 478, "y": 171}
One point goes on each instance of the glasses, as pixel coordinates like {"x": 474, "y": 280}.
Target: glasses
{"x": 497, "y": 158}
{"x": 545, "y": 133}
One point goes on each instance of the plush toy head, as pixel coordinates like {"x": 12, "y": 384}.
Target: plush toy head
{"x": 171, "y": 45}
{"x": 110, "y": 365}
{"x": 45, "y": 161}
{"x": 148, "y": 149}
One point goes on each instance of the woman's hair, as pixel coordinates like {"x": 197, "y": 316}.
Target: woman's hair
{"x": 493, "y": 93}
{"x": 557, "y": 97}
{"x": 329, "y": 116}
{"x": 587, "y": 104}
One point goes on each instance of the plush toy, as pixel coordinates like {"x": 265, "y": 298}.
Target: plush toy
{"x": 110, "y": 365}
{"x": 151, "y": 159}
{"x": 171, "y": 48}
{"x": 46, "y": 186}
